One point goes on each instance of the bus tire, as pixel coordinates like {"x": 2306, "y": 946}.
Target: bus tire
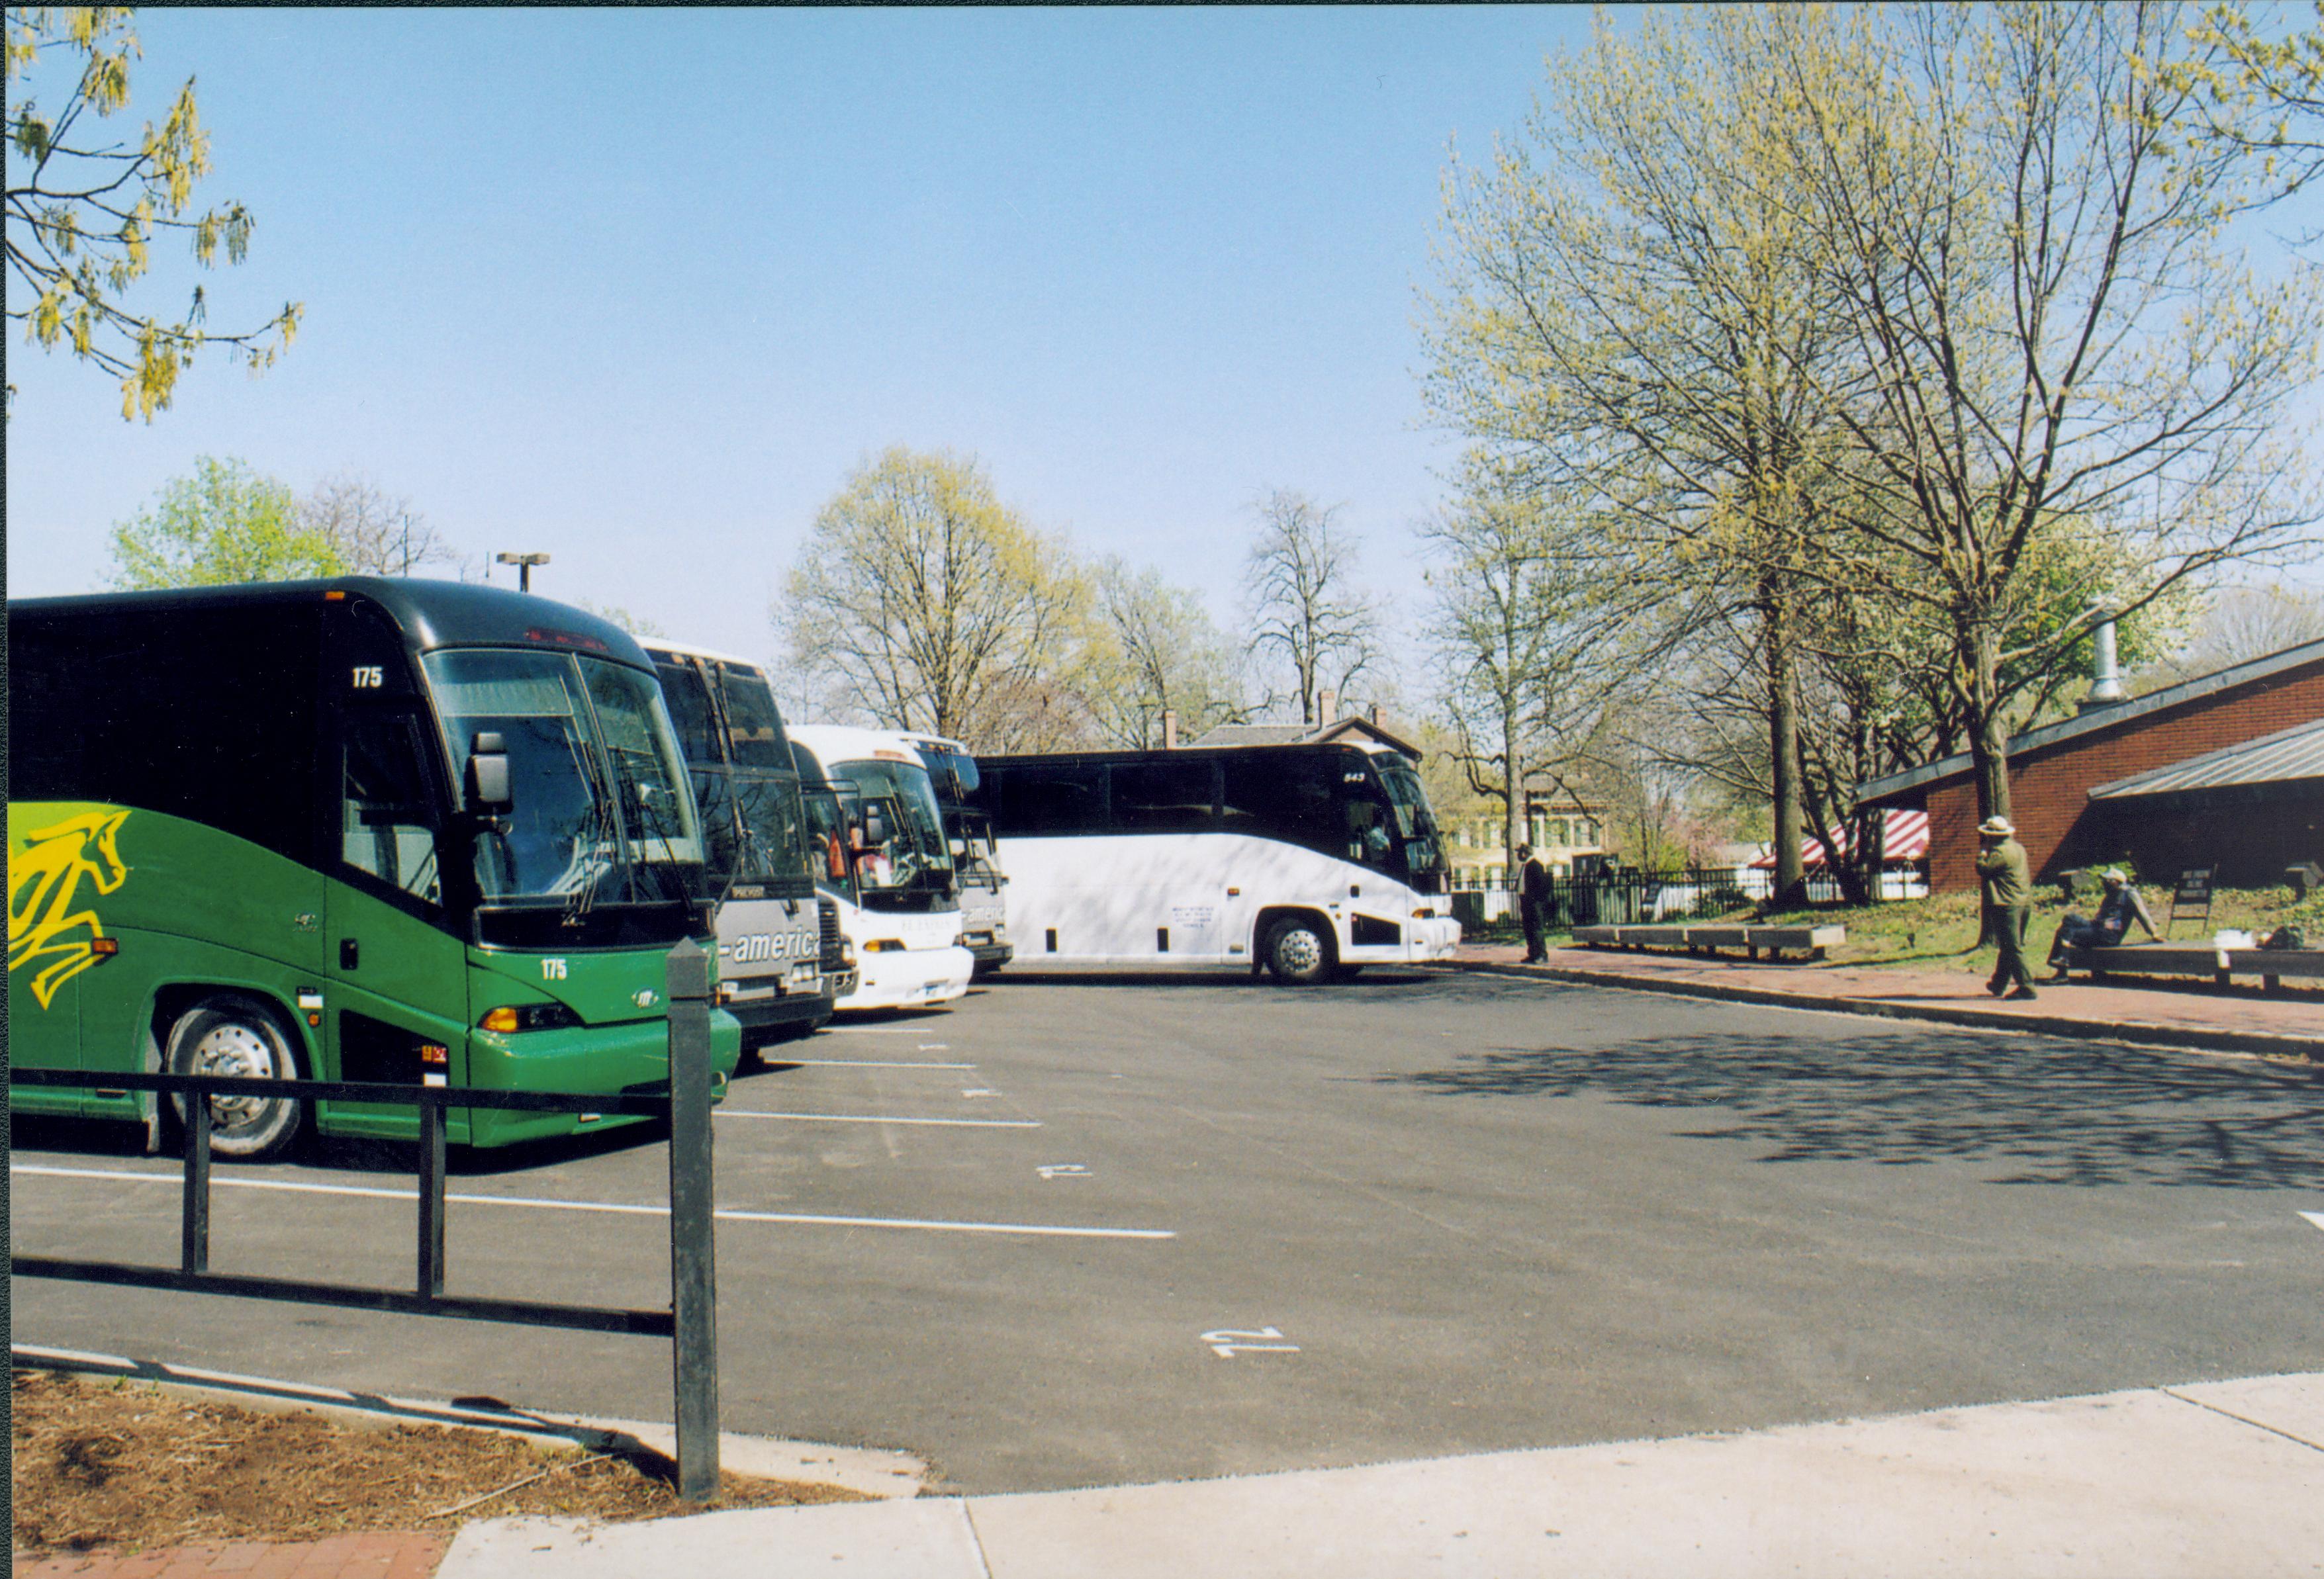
{"x": 234, "y": 1033}
{"x": 1299, "y": 952}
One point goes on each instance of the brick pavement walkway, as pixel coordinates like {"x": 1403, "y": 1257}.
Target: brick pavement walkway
{"x": 398, "y": 1554}
{"x": 2296, "y": 1016}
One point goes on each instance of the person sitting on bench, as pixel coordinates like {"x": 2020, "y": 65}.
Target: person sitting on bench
{"x": 2118, "y": 906}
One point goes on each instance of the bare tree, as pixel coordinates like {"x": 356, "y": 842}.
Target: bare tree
{"x": 2069, "y": 395}
{"x": 1531, "y": 635}
{"x": 1158, "y": 650}
{"x": 923, "y": 603}
{"x": 2241, "y": 623}
{"x": 1306, "y": 610}
{"x": 375, "y": 532}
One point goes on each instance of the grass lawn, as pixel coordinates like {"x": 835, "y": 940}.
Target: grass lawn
{"x": 1940, "y": 931}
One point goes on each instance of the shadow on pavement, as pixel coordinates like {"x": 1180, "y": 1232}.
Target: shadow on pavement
{"x": 2051, "y": 1112}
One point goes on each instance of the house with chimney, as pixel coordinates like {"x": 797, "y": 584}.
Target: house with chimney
{"x": 2225, "y": 771}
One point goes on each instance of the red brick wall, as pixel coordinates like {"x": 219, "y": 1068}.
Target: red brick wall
{"x": 2048, "y": 789}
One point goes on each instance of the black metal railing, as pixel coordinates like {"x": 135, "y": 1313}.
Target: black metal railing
{"x": 689, "y": 1322}
{"x": 1618, "y": 898}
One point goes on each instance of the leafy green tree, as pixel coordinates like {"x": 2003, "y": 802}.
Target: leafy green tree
{"x": 226, "y": 523}
{"x": 2254, "y": 95}
{"x": 83, "y": 212}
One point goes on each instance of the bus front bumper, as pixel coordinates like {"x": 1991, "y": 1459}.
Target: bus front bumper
{"x": 1435, "y": 938}
{"x": 631, "y": 1057}
{"x": 910, "y": 979}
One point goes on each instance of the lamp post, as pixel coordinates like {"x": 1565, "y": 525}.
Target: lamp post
{"x": 524, "y": 563}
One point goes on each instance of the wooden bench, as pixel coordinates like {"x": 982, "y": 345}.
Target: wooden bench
{"x": 1707, "y": 939}
{"x": 2221, "y": 965}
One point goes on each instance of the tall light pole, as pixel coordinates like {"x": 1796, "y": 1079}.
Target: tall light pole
{"x": 524, "y": 563}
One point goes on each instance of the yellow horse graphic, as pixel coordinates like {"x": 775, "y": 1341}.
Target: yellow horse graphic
{"x": 42, "y": 887}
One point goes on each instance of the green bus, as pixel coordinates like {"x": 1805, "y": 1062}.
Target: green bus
{"x": 364, "y": 829}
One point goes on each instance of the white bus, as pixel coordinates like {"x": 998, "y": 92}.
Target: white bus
{"x": 779, "y": 953}
{"x": 977, "y": 860}
{"x": 887, "y": 866}
{"x": 1310, "y": 861}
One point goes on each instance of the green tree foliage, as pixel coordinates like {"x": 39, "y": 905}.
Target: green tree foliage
{"x": 922, "y": 601}
{"x": 225, "y": 523}
{"x": 1910, "y": 329}
{"x": 2257, "y": 95}
{"x": 84, "y": 211}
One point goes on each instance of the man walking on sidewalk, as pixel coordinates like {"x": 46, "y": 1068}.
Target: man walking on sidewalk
{"x": 2008, "y": 882}
{"x": 1533, "y": 901}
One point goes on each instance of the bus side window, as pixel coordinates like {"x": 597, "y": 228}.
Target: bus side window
{"x": 1285, "y": 795}
{"x": 1053, "y": 798}
{"x": 387, "y": 815}
{"x": 1162, "y": 798}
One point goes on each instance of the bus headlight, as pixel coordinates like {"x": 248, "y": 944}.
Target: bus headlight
{"x": 529, "y": 1017}
{"x": 884, "y": 946}
{"x": 1424, "y": 914}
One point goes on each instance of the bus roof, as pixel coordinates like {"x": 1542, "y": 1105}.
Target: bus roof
{"x": 848, "y": 743}
{"x": 662, "y": 644}
{"x": 432, "y": 614}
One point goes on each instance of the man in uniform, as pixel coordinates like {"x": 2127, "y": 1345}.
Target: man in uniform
{"x": 2008, "y": 882}
{"x": 1533, "y": 901}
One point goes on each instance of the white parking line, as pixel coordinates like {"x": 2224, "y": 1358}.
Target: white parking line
{"x": 868, "y": 1063}
{"x": 930, "y": 1225}
{"x": 882, "y": 1118}
{"x": 2315, "y": 1217}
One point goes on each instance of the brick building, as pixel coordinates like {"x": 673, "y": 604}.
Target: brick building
{"x": 2222, "y": 771}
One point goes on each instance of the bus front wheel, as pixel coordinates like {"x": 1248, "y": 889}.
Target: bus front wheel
{"x": 230, "y": 1033}
{"x": 1299, "y": 952}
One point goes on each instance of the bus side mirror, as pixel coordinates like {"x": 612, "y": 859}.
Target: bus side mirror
{"x": 487, "y": 785}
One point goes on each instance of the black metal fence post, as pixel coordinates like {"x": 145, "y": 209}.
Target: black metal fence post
{"x": 194, "y": 1218}
{"x": 693, "y": 1248}
{"x": 431, "y": 1198}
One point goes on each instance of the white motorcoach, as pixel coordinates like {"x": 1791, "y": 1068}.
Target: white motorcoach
{"x": 779, "y": 943}
{"x": 1310, "y": 861}
{"x": 976, "y": 861}
{"x": 887, "y": 866}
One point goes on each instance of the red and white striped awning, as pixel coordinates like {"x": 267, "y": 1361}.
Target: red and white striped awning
{"x": 1907, "y": 839}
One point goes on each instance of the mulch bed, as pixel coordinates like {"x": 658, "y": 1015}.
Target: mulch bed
{"x": 100, "y": 1463}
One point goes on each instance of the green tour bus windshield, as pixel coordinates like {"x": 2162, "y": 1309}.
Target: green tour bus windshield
{"x": 600, "y": 811}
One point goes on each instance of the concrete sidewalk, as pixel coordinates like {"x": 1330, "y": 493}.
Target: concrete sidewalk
{"x": 2239, "y": 1019}
{"x": 2222, "y": 1479}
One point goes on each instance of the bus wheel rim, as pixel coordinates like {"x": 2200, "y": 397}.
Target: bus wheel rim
{"x": 1299, "y": 950}
{"x": 234, "y": 1049}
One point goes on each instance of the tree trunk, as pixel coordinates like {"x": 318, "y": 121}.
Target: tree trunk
{"x": 1513, "y": 803}
{"x": 1784, "y": 751}
{"x": 1988, "y": 741}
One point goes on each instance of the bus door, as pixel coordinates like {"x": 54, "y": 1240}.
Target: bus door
{"x": 395, "y": 1005}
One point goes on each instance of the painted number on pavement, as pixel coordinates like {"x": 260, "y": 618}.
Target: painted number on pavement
{"x": 1229, "y": 1341}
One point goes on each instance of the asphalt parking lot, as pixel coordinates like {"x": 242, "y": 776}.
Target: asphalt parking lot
{"x": 1101, "y": 1229}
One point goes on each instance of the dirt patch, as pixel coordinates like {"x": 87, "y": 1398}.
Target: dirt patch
{"x": 102, "y": 1463}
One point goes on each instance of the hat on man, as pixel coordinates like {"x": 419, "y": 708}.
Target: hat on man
{"x": 1996, "y": 827}
{"x": 1524, "y": 850}
{"x": 2114, "y": 875}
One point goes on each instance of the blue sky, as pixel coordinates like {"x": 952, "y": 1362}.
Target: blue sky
{"x": 639, "y": 289}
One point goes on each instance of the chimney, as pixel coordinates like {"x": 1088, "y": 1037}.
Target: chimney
{"x": 1169, "y": 729}
{"x": 2106, "y": 681}
{"x": 1327, "y": 708}
{"x": 1375, "y": 712}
